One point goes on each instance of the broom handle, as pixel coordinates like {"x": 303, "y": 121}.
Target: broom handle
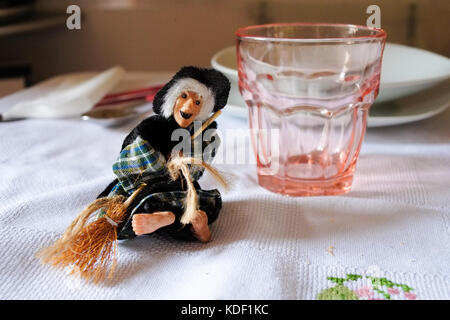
{"x": 206, "y": 123}
{"x": 130, "y": 199}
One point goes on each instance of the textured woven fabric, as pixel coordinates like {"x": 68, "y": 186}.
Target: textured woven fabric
{"x": 389, "y": 237}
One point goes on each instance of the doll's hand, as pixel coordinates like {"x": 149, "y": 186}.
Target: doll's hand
{"x": 200, "y": 227}
{"x": 145, "y": 223}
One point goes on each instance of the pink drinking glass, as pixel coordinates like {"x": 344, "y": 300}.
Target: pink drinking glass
{"x": 309, "y": 88}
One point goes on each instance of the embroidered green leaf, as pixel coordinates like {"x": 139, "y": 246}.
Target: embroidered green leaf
{"x": 386, "y": 295}
{"x": 381, "y": 282}
{"x": 338, "y": 281}
{"x": 405, "y": 288}
{"x": 353, "y": 277}
{"x": 389, "y": 284}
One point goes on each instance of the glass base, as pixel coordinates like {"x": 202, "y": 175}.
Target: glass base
{"x": 298, "y": 188}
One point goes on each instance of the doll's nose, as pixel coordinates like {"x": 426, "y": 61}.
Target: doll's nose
{"x": 188, "y": 106}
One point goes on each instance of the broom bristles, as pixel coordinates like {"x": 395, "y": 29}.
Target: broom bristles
{"x": 90, "y": 250}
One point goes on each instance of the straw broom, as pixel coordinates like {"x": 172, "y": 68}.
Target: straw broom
{"x": 91, "y": 249}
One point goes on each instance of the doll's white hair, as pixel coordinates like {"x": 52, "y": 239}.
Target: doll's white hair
{"x": 189, "y": 84}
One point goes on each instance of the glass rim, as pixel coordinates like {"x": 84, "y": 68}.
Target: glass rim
{"x": 379, "y": 33}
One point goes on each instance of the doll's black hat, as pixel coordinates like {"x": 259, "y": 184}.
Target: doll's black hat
{"x": 210, "y": 84}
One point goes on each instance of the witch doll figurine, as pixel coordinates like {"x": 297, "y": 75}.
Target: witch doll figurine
{"x": 156, "y": 187}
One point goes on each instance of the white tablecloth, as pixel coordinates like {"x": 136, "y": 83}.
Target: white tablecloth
{"x": 393, "y": 225}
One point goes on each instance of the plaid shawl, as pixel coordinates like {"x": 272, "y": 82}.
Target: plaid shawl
{"x": 137, "y": 163}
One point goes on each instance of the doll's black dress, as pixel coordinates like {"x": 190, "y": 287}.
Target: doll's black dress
{"x": 160, "y": 192}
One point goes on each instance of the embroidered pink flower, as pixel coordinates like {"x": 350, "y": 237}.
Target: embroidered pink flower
{"x": 393, "y": 291}
{"x": 364, "y": 292}
{"x": 410, "y": 296}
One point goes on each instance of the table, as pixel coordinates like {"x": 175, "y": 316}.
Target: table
{"x": 386, "y": 239}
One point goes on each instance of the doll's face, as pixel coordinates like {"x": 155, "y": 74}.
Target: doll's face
{"x": 187, "y": 107}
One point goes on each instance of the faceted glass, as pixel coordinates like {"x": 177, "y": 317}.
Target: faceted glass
{"x": 308, "y": 88}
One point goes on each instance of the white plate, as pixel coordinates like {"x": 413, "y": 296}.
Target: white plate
{"x": 405, "y": 70}
{"x": 413, "y": 108}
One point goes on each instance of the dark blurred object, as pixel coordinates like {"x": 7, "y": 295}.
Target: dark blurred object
{"x": 14, "y": 77}
{"x": 12, "y": 11}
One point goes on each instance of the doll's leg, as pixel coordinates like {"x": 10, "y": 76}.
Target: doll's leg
{"x": 144, "y": 223}
{"x": 200, "y": 228}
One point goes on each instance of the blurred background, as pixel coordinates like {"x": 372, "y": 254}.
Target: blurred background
{"x": 153, "y": 35}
